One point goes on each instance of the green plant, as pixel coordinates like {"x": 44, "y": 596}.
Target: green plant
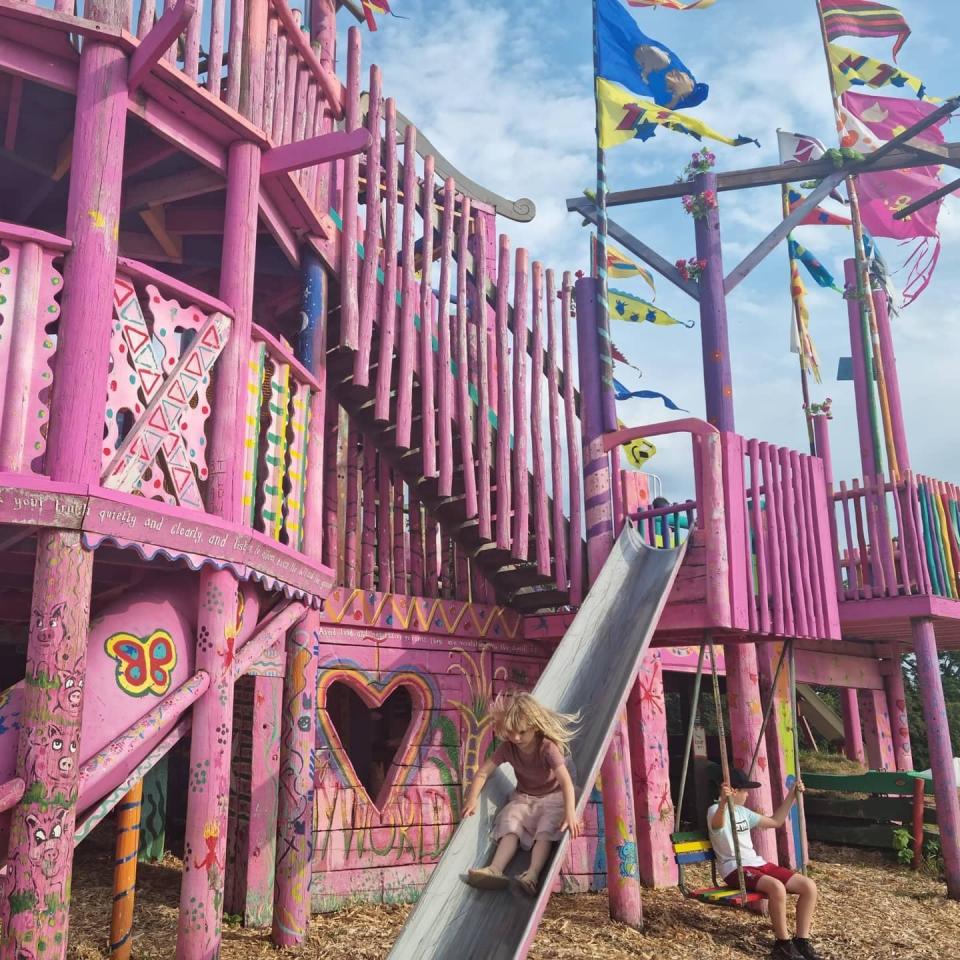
{"x": 903, "y": 846}
{"x": 232, "y": 920}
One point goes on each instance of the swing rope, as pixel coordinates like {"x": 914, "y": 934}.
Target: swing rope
{"x": 802, "y": 852}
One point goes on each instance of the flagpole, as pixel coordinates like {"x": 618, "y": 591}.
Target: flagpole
{"x": 804, "y": 382}
{"x": 868, "y": 317}
{"x": 603, "y": 316}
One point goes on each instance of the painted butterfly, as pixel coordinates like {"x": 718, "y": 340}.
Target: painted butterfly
{"x": 144, "y": 665}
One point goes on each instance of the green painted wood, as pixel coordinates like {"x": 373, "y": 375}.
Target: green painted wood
{"x": 874, "y": 781}
{"x": 872, "y": 808}
{"x": 877, "y": 836}
{"x": 153, "y": 814}
{"x": 689, "y": 836}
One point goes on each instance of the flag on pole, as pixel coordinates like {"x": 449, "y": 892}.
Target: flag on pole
{"x": 622, "y": 393}
{"x": 637, "y": 451}
{"x": 625, "y": 306}
{"x": 799, "y": 148}
{"x": 818, "y": 217}
{"x": 821, "y": 275}
{"x": 624, "y": 117}
{"x": 800, "y": 340}
{"x": 864, "y": 18}
{"x": 626, "y": 55}
{"x": 852, "y": 69}
{"x": 619, "y": 265}
{"x": 372, "y": 7}
{"x": 673, "y": 4}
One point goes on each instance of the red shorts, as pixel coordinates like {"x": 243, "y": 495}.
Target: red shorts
{"x": 752, "y": 874}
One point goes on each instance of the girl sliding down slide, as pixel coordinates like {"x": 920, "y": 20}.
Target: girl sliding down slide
{"x": 535, "y": 741}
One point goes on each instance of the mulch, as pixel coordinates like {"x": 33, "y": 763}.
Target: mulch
{"x": 870, "y": 909}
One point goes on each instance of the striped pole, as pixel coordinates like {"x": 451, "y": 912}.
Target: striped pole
{"x": 603, "y": 316}
{"x": 125, "y": 873}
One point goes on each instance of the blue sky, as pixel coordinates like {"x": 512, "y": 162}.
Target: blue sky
{"x": 503, "y": 88}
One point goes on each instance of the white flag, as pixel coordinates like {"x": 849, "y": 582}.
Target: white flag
{"x": 799, "y": 148}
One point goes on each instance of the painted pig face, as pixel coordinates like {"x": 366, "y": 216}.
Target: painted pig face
{"x": 47, "y": 851}
{"x": 50, "y": 625}
{"x": 57, "y": 748}
{"x": 71, "y": 690}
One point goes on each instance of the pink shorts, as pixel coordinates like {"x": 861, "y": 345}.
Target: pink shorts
{"x": 752, "y": 874}
{"x": 531, "y": 817}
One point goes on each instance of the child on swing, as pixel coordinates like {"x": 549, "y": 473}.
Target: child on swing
{"x": 535, "y": 742}
{"x": 773, "y": 881}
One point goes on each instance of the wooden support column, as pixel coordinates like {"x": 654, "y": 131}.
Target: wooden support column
{"x": 941, "y": 750}
{"x": 615, "y": 773}
{"x": 125, "y": 872}
{"x": 717, "y": 376}
{"x": 876, "y": 729}
{"x": 861, "y": 387}
{"x": 888, "y": 358}
{"x": 63, "y": 571}
{"x": 852, "y": 729}
{"x": 153, "y": 813}
{"x": 897, "y": 709}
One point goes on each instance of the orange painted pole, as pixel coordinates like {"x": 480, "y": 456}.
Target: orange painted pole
{"x": 125, "y": 873}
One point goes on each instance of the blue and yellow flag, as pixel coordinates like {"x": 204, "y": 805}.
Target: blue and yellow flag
{"x": 821, "y": 275}
{"x": 629, "y": 57}
{"x": 619, "y": 265}
{"x": 852, "y": 69}
{"x": 622, "y": 393}
{"x": 624, "y": 117}
{"x": 626, "y": 306}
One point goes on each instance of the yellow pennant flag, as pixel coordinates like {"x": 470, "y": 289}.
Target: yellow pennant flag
{"x": 625, "y": 306}
{"x": 800, "y": 340}
{"x": 637, "y": 451}
{"x": 856, "y": 69}
{"x": 620, "y": 266}
{"x": 625, "y": 116}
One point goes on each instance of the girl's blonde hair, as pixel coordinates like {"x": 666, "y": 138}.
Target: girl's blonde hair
{"x": 522, "y": 711}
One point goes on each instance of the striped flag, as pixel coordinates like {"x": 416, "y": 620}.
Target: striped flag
{"x": 372, "y": 7}
{"x": 864, "y": 18}
{"x": 673, "y": 4}
{"x": 800, "y": 340}
{"x": 626, "y": 306}
{"x": 818, "y": 217}
{"x": 620, "y": 266}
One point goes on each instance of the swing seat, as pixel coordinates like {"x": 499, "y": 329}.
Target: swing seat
{"x": 694, "y": 847}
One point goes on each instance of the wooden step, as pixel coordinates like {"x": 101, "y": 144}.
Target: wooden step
{"x": 531, "y": 599}
{"x": 513, "y": 577}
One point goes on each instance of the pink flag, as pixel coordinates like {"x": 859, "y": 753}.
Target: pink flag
{"x": 867, "y": 123}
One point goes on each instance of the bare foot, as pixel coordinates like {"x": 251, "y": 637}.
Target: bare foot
{"x": 528, "y": 882}
{"x": 486, "y": 878}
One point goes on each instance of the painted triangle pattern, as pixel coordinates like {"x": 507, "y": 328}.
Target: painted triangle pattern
{"x": 297, "y": 463}
{"x": 251, "y": 434}
{"x": 274, "y": 455}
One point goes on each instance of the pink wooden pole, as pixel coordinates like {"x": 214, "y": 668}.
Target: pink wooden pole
{"x": 289, "y": 91}
{"x": 801, "y": 513}
{"x": 759, "y": 537}
{"x": 351, "y": 532}
{"x": 369, "y": 287}
{"x": 782, "y": 606}
{"x": 521, "y": 477}
{"x": 254, "y": 56}
{"x": 941, "y": 750}
{"x": 445, "y": 380}
{"x": 368, "y": 538}
{"x": 384, "y": 497}
{"x": 417, "y": 564}
{"x": 428, "y": 410}
{"x": 852, "y": 729}
{"x": 897, "y": 709}
{"x": 235, "y": 51}
{"x": 399, "y": 539}
{"x": 280, "y": 86}
{"x": 876, "y": 729}
{"x": 616, "y": 774}
{"x": 889, "y": 360}
{"x": 483, "y": 382}
{"x": 464, "y": 403}
{"x": 553, "y": 407}
{"x": 792, "y": 542}
{"x": 349, "y": 304}
{"x": 821, "y": 433}
{"x": 215, "y": 58}
{"x": 867, "y": 460}
{"x": 541, "y": 521}
{"x": 388, "y": 297}
{"x": 191, "y": 56}
{"x": 501, "y": 373}
{"x": 574, "y": 441}
{"x": 431, "y": 574}
{"x": 270, "y": 74}
{"x": 408, "y": 333}
{"x": 331, "y": 530}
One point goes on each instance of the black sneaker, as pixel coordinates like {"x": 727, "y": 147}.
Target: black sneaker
{"x": 805, "y": 949}
{"x": 785, "y": 950}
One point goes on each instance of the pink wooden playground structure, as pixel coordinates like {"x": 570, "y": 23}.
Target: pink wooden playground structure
{"x": 297, "y": 472}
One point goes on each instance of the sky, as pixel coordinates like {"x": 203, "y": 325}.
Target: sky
{"x": 503, "y": 88}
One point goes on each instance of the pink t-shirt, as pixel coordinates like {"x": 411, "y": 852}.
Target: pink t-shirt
{"x": 536, "y": 773}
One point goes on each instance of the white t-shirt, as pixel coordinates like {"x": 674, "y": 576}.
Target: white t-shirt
{"x": 722, "y": 840}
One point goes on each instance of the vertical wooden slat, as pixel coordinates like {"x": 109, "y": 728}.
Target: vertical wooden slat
{"x": 553, "y": 409}
{"x": 407, "y": 337}
{"x": 907, "y": 573}
{"x": 483, "y": 382}
{"x": 215, "y": 61}
{"x": 235, "y": 52}
{"x": 368, "y": 539}
{"x": 521, "y": 426}
{"x": 388, "y": 296}
{"x": 275, "y": 452}
{"x": 289, "y": 92}
{"x": 191, "y": 55}
{"x": 854, "y": 578}
{"x": 349, "y": 303}
{"x": 865, "y": 561}
{"x": 351, "y": 533}
{"x": 809, "y": 539}
{"x": 445, "y": 383}
{"x": 270, "y": 75}
{"x": 369, "y": 287}
{"x": 296, "y": 463}
{"x": 145, "y": 21}
{"x": 778, "y": 539}
{"x": 300, "y": 115}
{"x": 464, "y": 403}
{"x": 331, "y": 499}
{"x": 574, "y": 447}
{"x": 914, "y": 502}
{"x": 252, "y": 433}
{"x": 279, "y": 87}
{"x": 384, "y": 526}
{"x": 428, "y": 410}
{"x": 461, "y": 565}
{"x": 877, "y": 574}
{"x": 797, "y": 584}
{"x": 448, "y": 569}
{"x": 759, "y": 539}
{"x": 821, "y": 560}
{"x": 541, "y": 520}
{"x": 502, "y": 376}
{"x": 309, "y": 180}
{"x": 800, "y": 508}
{"x": 431, "y": 573}
{"x": 399, "y": 538}
{"x": 171, "y": 53}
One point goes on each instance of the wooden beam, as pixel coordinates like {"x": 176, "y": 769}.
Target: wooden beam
{"x": 178, "y": 186}
{"x": 279, "y": 229}
{"x": 587, "y": 209}
{"x": 155, "y": 219}
{"x": 158, "y": 41}
{"x": 13, "y": 113}
{"x": 315, "y": 150}
{"x": 144, "y": 154}
{"x": 769, "y": 243}
{"x": 912, "y": 208}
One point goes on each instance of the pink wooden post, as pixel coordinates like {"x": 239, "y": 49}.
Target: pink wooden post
{"x": 351, "y": 531}
{"x": 349, "y": 302}
{"x": 483, "y": 381}
{"x": 408, "y": 342}
{"x": 558, "y": 520}
{"x": 574, "y": 441}
{"x": 331, "y": 529}
{"x": 941, "y": 750}
{"x": 445, "y": 381}
{"x": 388, "y": 296}
{"x": 215, "y": 58}
{"x": 416, "y": 546}
{"x": 897, "y": 709}
{"x": 541, "y": 521}
{"x": 501, "y": 373}
{"x": 616, "y": 774}
{"x": 431, "y": 570}
{"x": 464, "y": 403}
{"x": 852, "y": 729}
{"x": 428, "y": 410}
{"x": 368, "y": 536}
{"x": 876, "y": 729}
{"x": 399, "y": 539}
{"x": 384, "y": 553}
{"x": 889, "y": 359}
{"x": 235, "y": 49}
{"x": 861, "y": 387}
{"x": 63, "y": 569}
{"x": 520, "y": 534}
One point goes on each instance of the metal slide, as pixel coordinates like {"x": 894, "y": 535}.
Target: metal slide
{"x": 591, "y": 671}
